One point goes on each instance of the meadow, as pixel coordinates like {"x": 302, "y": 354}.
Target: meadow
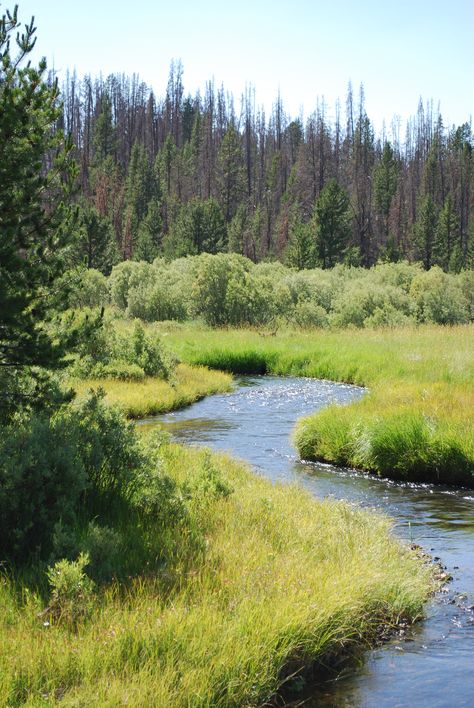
{"x": 416, "y": 421}
{"x": 152, "y": 395}
{"x": 259, "y": 583}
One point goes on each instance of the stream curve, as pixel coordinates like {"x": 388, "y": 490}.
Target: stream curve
{"x": 432, "y": 664}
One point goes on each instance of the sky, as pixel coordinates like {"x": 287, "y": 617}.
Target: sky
{"x": 400, "y": 50}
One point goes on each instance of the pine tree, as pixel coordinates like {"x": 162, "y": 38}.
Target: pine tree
{"x": 332, "y": 224}
{"x": 96, "y": 245}
{"x": 140, "y": 188}
{"x": 104, "y": 134}
{"x": 199, "y": 228}
{"x": 32, "y": 219}
{"x": 447, "y": 237}
{"x": 385, "y": 180}
{"x": 300, "y": 252}
{"x": 425, "y": 232}
{"x": 231, "y": 178}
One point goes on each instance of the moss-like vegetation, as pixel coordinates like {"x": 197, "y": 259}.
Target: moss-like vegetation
{"x": 416, "y": 421}
{"x": 259, "y": 581}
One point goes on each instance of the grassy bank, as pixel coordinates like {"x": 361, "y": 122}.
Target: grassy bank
{"x": 417, "y": 420}
{"x": 152, "y": 396}
{"x": 264, "y": 581}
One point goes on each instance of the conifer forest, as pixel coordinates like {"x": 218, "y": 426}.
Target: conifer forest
{"x": 181, "y": 174}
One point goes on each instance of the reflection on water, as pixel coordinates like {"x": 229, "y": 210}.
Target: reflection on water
{"x": 434, "y": 668}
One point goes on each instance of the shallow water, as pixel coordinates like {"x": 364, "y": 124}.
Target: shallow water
{"x": 433, "y": 667}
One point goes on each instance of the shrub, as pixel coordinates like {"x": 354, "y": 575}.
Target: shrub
{"x": 41, "y": 481}
{"x": 361, "y": 300}
{"x": 56, "y": 470}
{"x": 439, "y": 298}
{"x": 104, "y": 550}
{"x": 128, "y": 276}
{"x": 309, "y": 314}
{"x": 119, "y": 370}
{"x": 71, "y": 590}
{"x": 90, "y": 288}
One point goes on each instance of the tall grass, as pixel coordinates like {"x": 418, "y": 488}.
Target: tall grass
{"x": 279, "y": 581}
{"x": 417, "y": 420}
{"x": 152, "y": 396}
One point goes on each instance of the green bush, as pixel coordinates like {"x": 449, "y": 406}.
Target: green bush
{"x": 57, "y": 471}
{"x": 230, "y": 290}
{"x": 104, "y": 548}
{"x": 439, "y": 298}
{"x": 119, "y": 370}
{"x": 363, "y": 303}
{"x": 41, "y": 482}
{"x": 88, "y": 288}
{"x": 71, "y": 590}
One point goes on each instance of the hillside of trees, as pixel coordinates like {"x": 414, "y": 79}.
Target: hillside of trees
{"x": 186, "y": 174}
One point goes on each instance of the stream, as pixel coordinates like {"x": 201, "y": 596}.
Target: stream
{"x": 433, "y": 664}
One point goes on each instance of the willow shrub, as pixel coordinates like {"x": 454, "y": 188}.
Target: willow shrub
{"x": 230, "y": 290}
{"x": 59, "y": 473}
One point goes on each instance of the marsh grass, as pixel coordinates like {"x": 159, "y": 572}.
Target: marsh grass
{"x": 280, "y": 581}
{"x": 415, "y": 423}
{"x": 152, "y": 396}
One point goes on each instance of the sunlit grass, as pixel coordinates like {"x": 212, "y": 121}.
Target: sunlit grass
{"x": 153, "y": 396}
{"x": 281, "y": 581}
{"x": 417, "y": 420}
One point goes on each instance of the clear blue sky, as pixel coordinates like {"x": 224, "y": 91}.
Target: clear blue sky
{"x": 400, "y": 50}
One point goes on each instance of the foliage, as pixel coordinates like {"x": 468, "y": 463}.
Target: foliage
{"x": 55, "y": 469}
{"x": 71, "y": 590}
{"x": 88, "y": 288}
{"x": 103, "y": 351}
{"x": 228, "y": 289}
{"x": 439, "y": 298}
{"x": 33, "y": 219}
{"x": 95, "y": 244}
{"x": 200, "y": 227}
{"x": 331, "y": 214}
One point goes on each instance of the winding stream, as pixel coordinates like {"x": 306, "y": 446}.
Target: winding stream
{"x": 433, "y": 665}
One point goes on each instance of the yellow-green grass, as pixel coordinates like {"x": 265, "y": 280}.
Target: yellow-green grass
{"x": 281, "y": 581}
{"x": 417, "y": 419}
{"x": 152, "y": 396}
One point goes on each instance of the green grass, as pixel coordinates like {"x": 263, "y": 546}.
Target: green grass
{"x": 279, "y": 581}
{"x": 152, "y": 396}
{"x": 415, "y": 423}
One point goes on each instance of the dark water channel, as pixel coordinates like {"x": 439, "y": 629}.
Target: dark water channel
{"x": 434, "y": 665}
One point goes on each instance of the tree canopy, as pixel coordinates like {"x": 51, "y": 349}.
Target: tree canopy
{"x": 36, "y": 173}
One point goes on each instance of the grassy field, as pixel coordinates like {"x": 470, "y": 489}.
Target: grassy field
{"x": 417, "y": 420}
{"x": 264, "y": 582}
{"x": 152, "y": 396}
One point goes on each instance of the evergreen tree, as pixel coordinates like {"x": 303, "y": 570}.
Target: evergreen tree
{"x": 104, "y": 135}
{"x": 96, "y": 245}
{"x": 446, "y": 239}
{"x": 300, "y": 252}
{"x": 236, "y": 231}
{"x": 425, "y": 231}
{"x": 231, "y": 178}
{"x": 332, "y": 224}
{"x": 385, "y": 180}
{"x": 140, "y": 188}
{"x": 32, "y": 219}
{"x": 199, "y": 228}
